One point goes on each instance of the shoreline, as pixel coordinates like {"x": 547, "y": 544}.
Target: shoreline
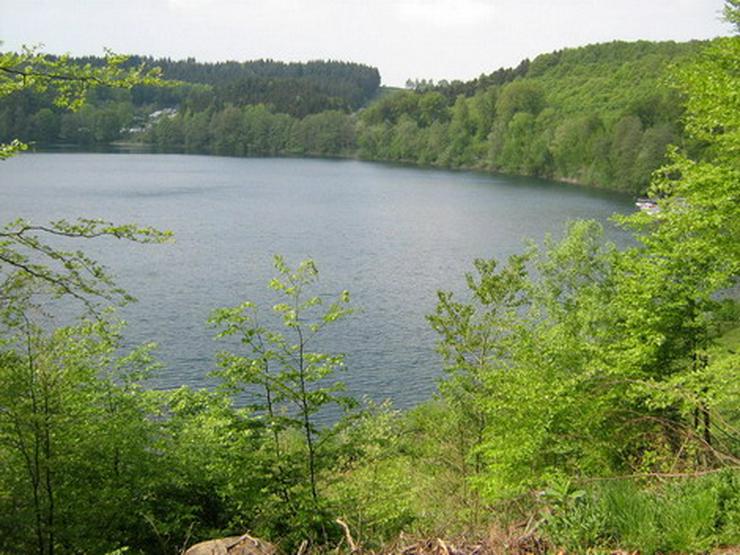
{"x": 133, "y": 147}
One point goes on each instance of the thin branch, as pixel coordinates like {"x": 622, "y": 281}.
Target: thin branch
{"x": 53, "y": 76}
{"x": 51, "y": 280}
{"x": 350, "y": 542}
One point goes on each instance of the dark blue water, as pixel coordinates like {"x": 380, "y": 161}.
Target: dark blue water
{"x": 391, "y": 235}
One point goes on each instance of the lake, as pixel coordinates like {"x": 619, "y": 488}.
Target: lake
{"x": 391, "y": 235}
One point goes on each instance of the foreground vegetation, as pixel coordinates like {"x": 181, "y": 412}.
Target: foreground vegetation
{"x": 589, "y": 399}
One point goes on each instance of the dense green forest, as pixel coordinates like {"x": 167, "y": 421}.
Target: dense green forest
{"x": 589, "y": 400}
{"x": 600, "y": 115}
{"x": 296, "y": 89}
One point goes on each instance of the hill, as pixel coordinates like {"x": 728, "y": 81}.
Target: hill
{"x": 297, "y": 89}
{"x": 601, "y": 115}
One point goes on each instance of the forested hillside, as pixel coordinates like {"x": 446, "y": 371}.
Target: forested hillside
{"x": 297, "y": 89}
{"x": 599, "y": 115}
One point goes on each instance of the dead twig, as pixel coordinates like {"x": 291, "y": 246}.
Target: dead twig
{"x": 187, "y": 538}
{"x": 348, "y": 536}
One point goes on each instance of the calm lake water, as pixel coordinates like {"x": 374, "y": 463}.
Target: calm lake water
{"x": 391, "y": 235}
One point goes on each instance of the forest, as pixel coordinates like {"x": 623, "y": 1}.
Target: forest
{"x": 589, "y": 401}
{"x": 295, "y": 89}
{"x": 597, "y": 115}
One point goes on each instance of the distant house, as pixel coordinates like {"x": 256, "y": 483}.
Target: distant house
{"x": 151, "y": 119}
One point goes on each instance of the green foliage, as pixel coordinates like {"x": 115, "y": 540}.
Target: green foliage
{"x": 581, "y": 359}
{"x": 75, "y": 431}
{"x": 69, "y": 82}
{"x": 520, "y": 96}
{"x": 687, "y": 516}
{"x": 329, "y": 133}
{"x": 600, "y": 115}
{"x": 254, "y": 130}
{"x": 64, "y": 84}
{"x": 436, "y": 441}
{"x": 573, "y": 519}
{"x": 373, "y": 489}
{"x": 293, "y": 384}
{"x": 11, "y": 149}
{"x": 473, "y": 342}
{"x": 290, "y": 91}
{"x": 199, "y": 488}
{"x": 596, "y": 360}
{"x": 74, "y": 438}
{"x": 29, "y": 264}
{"x": 732, "y": 13}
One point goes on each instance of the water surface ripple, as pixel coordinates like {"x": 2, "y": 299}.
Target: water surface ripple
{"x": 391, "y": 235}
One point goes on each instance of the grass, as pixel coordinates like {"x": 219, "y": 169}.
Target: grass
{"x": 687, "y": 516}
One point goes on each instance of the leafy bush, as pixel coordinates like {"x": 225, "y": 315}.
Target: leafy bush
{"x": 689, "y": 516}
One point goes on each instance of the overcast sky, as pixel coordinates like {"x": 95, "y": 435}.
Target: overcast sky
{"x": 439, "y": 39}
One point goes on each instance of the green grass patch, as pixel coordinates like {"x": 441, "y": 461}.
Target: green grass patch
{"x": 686, "y": 516}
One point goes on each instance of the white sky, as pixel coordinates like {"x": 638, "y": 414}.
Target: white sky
{"x": 439, "y": 39}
